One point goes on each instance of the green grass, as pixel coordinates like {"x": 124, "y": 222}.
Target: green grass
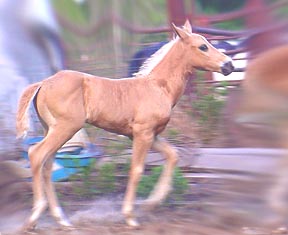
{"x": 147, "y": 183}
{"x": 207, "y": 109}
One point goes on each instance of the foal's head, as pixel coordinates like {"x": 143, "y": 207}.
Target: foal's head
{"x": 200, "y": 54}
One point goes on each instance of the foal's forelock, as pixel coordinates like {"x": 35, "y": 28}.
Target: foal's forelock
{"x": 155, "y": 59}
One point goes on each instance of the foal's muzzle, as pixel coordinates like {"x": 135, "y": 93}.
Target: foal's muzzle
{"x": 227, "y": 68}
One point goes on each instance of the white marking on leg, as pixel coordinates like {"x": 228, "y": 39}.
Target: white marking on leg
{"x": 61, "y": 217}
{"x": 129, "y": 217}
{"x": 39, "y": 207}
{"x": 159, "y": 193}
{"x": 132, "y": 222}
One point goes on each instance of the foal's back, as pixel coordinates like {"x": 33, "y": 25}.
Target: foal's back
{"x": 112, "y": 104}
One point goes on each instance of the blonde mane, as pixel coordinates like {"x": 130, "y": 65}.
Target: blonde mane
{"x": 155, "y": 59}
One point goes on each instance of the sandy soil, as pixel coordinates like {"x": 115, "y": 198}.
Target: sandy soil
{"x": 216, "y": 206}
{"x": 102, "y": 216}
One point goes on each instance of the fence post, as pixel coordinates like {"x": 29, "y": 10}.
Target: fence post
{"x": 260, "y": 19}
{"x": 176, "y": 11}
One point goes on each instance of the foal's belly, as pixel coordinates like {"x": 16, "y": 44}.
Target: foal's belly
{"x": 125, "y": 126}
{"x": 121, "y": 127}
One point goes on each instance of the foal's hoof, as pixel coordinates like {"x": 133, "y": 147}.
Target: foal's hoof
{"x": 66, "y": 225}
{"x": 28, "y": 228}
{"x": 132, "y": 223}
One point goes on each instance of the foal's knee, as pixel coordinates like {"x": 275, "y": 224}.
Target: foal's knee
{"x": 35, "y": 160}
{"x": 136, "y": 172}
{"x": 173, "y": 156}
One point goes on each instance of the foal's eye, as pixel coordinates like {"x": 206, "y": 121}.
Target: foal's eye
{"x": 203, "y": 47}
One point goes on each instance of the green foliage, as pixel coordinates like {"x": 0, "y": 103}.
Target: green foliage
{"x": 219, "y": 6}
{"x": 282, "y": 11}
{"x": 180, "y": 184}
{"x": 118, "y": 145}
{"x": 86, "y": 187}
{"x": 104, "y": 182}
{"x": 173, "y": 133}
{"x": 106, "y": 179}
{"x": 154, "y": 38}
{"x": 207, "y": 108}
{"x": 236, "y": 24}
{"x": 72, "y": 11}
{"x": 147, "y": 183}
{"x": 126, "y": 167}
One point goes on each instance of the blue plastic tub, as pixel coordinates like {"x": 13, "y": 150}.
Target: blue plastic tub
{"x": 68, "y": 163}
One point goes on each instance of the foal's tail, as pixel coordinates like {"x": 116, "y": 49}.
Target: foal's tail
{"x": 22, "y": 116}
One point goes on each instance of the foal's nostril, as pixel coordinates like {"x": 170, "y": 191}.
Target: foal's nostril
{"x": 227, "y": 68}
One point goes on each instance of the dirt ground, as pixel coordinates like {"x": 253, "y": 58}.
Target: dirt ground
{"x": 204, "y": 214}
{"x": 216, "y": 206}
{"x": 103, "y": 217}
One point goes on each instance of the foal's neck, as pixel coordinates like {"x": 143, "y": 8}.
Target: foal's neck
{"x": 171, "y": 74}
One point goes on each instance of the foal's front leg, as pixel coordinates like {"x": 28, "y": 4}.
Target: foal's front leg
{"x": 141, "y": 144}
{"x": 164, "y": 184}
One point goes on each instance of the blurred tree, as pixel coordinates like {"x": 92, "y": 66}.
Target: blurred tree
{"x": 73, "y": 11}
{"x": 95, "y": 29}
{"x": 220, "y": 5}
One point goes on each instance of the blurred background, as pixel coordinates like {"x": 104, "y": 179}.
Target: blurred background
{"x": 112, "y": 38}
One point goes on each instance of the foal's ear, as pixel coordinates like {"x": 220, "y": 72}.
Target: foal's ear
{"x": 188, "y": 26}
{"x": 180, "y": 32}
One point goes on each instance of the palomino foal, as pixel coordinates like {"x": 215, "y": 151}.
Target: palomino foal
{"x": 138, "y": 107}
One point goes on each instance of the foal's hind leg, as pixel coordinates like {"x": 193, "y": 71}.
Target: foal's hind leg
{"x": 55, "y": 209}
{"x": 39, "y": 199}
{"x": 164, "y": 184}
{"x": 39, "y": 155}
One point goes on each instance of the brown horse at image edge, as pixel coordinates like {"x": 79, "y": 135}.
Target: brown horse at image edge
{"x": 138, "y": 107}
{"x": 263, "y": 106}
